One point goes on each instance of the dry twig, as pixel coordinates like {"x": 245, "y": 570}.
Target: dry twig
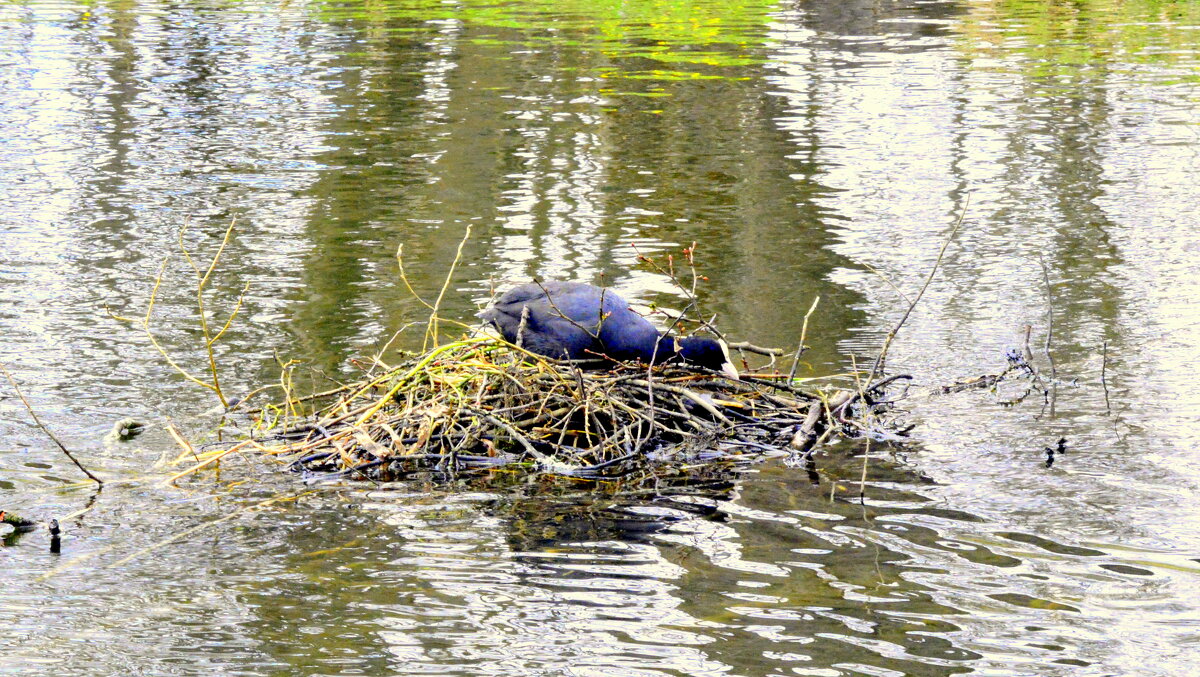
{"x": 46, "y": 430}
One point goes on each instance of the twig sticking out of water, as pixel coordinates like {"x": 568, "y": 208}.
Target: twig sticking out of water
{"x": 46, "y": 430}
{"x": 803, "y": 334}
{"x": 431, "y": 330}
{"x": 1028, "y": 352}
{"x": 1103, "y": 373}
{"x": 862, "y": 483}
{"x": 1049, "y": 334}
{"x": 887, "y": 280}
{"x": 210, "y": 339}
{"x": 875, "y": 370}
{"x": 1036, "y": 377}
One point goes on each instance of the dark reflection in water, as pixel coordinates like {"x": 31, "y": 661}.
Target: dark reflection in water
{"x": 480, "y": 583}
{"x": 810, "y": 149}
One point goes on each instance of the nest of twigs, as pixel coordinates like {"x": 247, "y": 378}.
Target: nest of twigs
{"x": 480, "y": 405}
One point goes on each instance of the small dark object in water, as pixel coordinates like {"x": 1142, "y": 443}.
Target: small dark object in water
{"x": 578, "y": 321}
{"x": 55, "y": 541}
{"x": 1051, "y": 452}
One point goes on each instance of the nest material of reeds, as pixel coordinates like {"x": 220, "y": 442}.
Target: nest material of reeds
{"x": 480, "y": 404}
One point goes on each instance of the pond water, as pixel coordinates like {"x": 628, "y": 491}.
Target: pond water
{"x": 810, "y": 149}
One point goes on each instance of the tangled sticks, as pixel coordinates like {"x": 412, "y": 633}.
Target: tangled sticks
{"x": 478, "y": 405}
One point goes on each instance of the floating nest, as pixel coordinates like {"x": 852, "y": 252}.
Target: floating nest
{"x": 482, "y": 406}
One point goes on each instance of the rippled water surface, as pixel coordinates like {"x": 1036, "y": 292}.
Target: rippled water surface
{"x": 809, "y": 148}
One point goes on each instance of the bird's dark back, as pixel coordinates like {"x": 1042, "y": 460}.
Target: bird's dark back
{"x": 573, "y": 318}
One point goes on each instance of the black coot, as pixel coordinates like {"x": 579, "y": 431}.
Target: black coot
{"x": 578, "y": 321}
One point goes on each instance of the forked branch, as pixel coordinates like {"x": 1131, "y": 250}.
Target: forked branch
{"x": 213, "y": 380}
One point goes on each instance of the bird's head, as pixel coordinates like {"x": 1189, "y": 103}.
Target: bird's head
{"x": 706, "y": 352}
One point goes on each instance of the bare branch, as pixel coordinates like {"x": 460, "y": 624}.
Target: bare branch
{"x": 933, "y": 271}
{"x": 46, "y": 430}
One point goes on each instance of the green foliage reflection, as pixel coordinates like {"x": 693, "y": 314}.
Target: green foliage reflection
{"x": 1060, "y": 37}
{"x": 680, "y": 32}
